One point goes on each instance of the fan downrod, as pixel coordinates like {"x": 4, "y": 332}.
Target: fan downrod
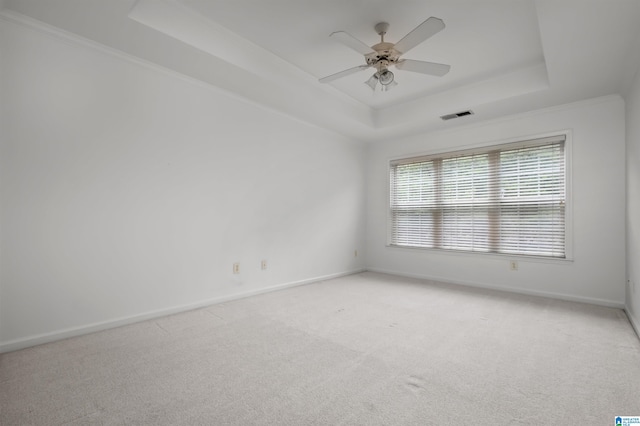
{"x": 381, "y": 28}
{"x": 383, "y": 53}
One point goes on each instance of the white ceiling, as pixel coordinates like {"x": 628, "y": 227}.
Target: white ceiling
{"x": 506, "y": 56}
{"x": 481, "y": 40}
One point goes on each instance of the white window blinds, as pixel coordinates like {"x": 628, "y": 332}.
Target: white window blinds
{"x": 502, "y": 199}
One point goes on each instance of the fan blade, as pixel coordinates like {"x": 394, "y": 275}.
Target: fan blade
{"x": 419, "y": 34}
{"x": 344, "y": 73}
{"x": 423, "y": 67}
{"x": 352, "y": 42}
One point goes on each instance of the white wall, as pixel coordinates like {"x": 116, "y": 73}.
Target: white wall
{"x": 633, "y": 202}
{"x": 596, "y": 273}
{"x": 128, "y": 191}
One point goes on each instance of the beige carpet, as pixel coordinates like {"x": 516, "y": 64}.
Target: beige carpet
{"x": 366, "y": 349}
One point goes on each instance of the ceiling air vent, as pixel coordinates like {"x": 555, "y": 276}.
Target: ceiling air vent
{"x": 456, "y": 115}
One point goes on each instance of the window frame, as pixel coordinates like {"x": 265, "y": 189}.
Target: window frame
{"x": 479, "y": 147}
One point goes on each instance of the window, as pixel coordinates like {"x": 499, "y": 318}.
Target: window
{"x": 508, "y": 199}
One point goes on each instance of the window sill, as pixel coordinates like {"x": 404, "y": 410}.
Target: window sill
{"x": 461, "y": 253}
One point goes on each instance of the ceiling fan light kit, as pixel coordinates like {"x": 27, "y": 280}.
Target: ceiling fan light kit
{"x": 384, "y": 54}
{"x": 385, "y": 77}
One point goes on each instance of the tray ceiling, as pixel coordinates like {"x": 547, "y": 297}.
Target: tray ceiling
{"x": 506, "y": 56}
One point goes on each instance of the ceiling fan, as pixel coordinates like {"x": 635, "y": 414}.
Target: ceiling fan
{"x": 383, "y": 55}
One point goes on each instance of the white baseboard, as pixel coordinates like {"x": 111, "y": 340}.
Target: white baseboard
{"x": 634, "y": 322}
{"x": 550, "y": 295}
{"x": 14, "y": 345}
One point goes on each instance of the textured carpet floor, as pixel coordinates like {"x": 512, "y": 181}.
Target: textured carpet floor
{"x": 366, "y": 349}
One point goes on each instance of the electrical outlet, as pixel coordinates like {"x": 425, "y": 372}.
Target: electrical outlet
{"x": 513, "y": 265}
{"x": 263, "y": 265}
{"x": 355, "y": 253}
{"x": 236, "y": 268}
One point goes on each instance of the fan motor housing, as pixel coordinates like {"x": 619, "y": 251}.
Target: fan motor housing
{"x": 383, "y": 52}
